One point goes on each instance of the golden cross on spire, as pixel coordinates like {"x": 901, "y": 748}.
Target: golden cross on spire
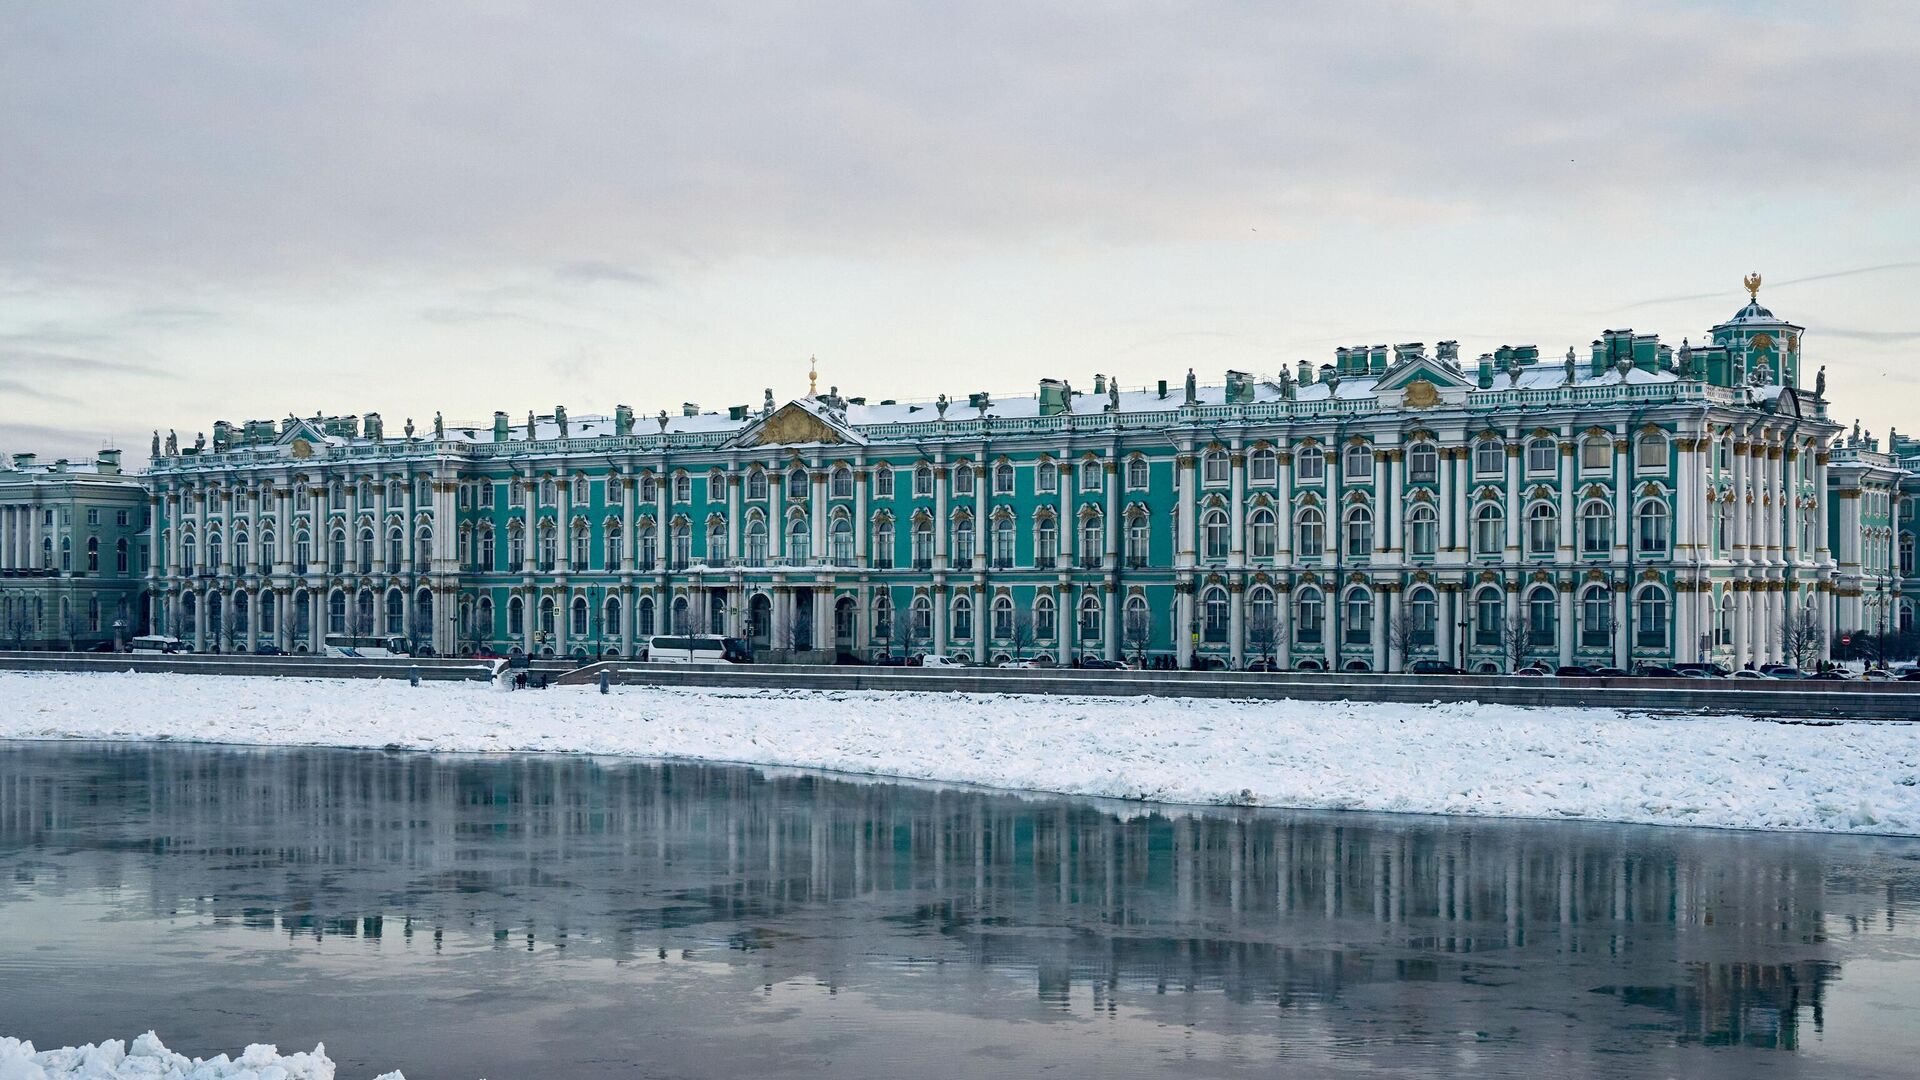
{"x": 1752, "y": 282}
{"x": 813, "y": 376}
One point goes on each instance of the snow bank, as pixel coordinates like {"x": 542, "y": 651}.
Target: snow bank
{"x": 1454, "y": 758}
{"x": 149, "y": 1059}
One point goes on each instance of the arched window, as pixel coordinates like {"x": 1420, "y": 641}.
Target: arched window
{"x": 303, "y": 550}
{"x": 577, "y": 625}
{"x": 187, "y": 552}
{"x": 93, "y": 554}
{"x": 842, "y": 481}
{"x": 548, "y": 624}
{"x": 796, "y": 483}
{"x": 1046, "y": 477}
{"x": 883, "y": 618}
{"x": 1542, "y": 456}
{"x": 1139, "y": 539}
{"x": 756, "y": 485}
{"x": 365, "y": 553}
{"x": 716, "y": 552}
{"x": 921, "y": 542}
{"x": 1596, "y": 617}
{"x": 610, "y": 615}
{"x": 1262, "y": 466}
{"x": 1310, "y": 464}
{"x": 1542, "y": 529}
{"x": 1214, "y": 467}
{"x": 1092, "y": 539}
{"x": 1003, "y": 543}
{"x": 1596, "y": 528}
{"x": 582, "y": 546}
{"x": 962, "y": 618}
{"x": 549, "y": 494}
{"x": 1652, "y": 530}
{"x": 680, "y": 616}
{"x": 120, "y": 555}
{"x": 269, "y": 548}
{"x": 396, "y": 548}
{"x": 548, "y": 541}
{"x": 883, "y": 482}
{"x": 1261, "y": 534}
{"x": 396, "y": 612}
{"x": 645, "y": 624}
{"x": 1045, "y": 626}
{"x": 1309, "y": 625}
{"x": 1089, "y": 619}
{"x": 1263, "y": 625}
{"x": 363, "y": 618}
{"x": 482, "y": 626}
{"x": 216, "y": 551}
{"x": 1906, "y": 555}
{"x": 1311, "y": 541}
{"x": 1543, "y": 621}
{"x": 1090, "y": 475}
{"x": 1046, "y": 542}
{"x": 616, "y": 544}
{"x": 799, "y": 542}
{"x": 1358, "y": 617}
{"x": 1359, "y": 533}
{"x": 920, "y": 619}
{"x": 1488, "y": 523}
{"x": 1596, "y": 453}
{"x": 680, "y": 545}
{"x": 962, "y": 541}
{"x": 1487, "y": 616}
{"x": 1650, "y": 452}
{"x": 1002, "y": 617}
{"x": 1214, "y": 535}
{"x": 1651, "y": 626}
{"x": 840, "y": 542}
{"x": 1489, "y": 457}
{"x": 1423, "y": 531}
{"x": 516, "y": 618}
{"x": 1356, "y": 464}
{"x": 756, "y": 542}
{"x": 1213, "y": 615}
{"x": 268, "y": 611}
{"x": 1422, "y": 615}
{"x": 1003, "y": 479}
{"x": 923, "y": 482}
{"x": 337, "y": 612}
{"x": 963, "y": 479}
{"x": 1423, "y": 463}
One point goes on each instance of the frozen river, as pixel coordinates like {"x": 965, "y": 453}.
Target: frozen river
{"x": 556, "y": 916}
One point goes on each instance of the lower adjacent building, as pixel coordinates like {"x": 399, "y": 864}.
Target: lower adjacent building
{"x": 1637, "y": 503}
{"x": 73, "y": 553}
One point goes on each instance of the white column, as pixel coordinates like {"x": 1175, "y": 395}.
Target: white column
{"x": 817, "y": 514}
{"x": 1568, "y": 630}
{"x": 1622, "y": 500}
{"x": 1516, "y": 496}
{"x": 862, "y": 481}
{"x": 564, "y": 522}
{"x": 1283, "y": 547}
{"x": 940, "y": 526}
{"x": 1237, "y": 526}
{"x": 1569, "y": 498}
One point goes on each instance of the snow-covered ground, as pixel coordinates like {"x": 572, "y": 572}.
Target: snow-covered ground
{"x": 1457, "y": 758}
{"x": 149, "y": 1059}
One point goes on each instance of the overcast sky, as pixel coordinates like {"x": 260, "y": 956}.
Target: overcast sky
{"x": 241, "y": 210}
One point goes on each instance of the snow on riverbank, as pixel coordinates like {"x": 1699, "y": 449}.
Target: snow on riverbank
{"x": 149, "y": 1059}
{"x": 1456, "y": 758}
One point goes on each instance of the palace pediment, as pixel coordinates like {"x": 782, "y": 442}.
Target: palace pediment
{"x": 798, "y": 423}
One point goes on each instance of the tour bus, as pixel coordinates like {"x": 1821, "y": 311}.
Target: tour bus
{"x": 159, "y": 643}
{"x": 373, "y": 648}
{"x": 698, "y": 649}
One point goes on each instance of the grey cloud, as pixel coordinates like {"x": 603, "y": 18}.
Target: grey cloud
{"x": 57, "y": 364}
{"x": 591, "y": 272}
{"x": 235, "y": 143}
{"x": 1877, "y": 337}
{"x": 38, "y": 393}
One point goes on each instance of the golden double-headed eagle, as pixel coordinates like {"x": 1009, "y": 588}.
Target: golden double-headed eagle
{"x": 1752, "y": 282}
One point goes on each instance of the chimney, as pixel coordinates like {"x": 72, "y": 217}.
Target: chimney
{"x": 736, "y": 412}
{"x": 1099, "y": 384}
{"x": 499, "y": 426}
{"x": 1053, "y": 397}
{"x": 688, "y": 408}
{"x": 1306, "y": 373}
{"x": 23, "y": 461}
{"x": 107, "y": 463}
{"x": 1162, "y": 388}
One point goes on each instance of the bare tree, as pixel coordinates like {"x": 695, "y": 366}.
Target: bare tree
{"x": 1515, "y": 641}
{"x": 1263, "y": 635}
{"x": 1136, "y": 633}
{"x": 1022, "y": 637}
{"x": 421, "y": 632}
{"x": 19, "y": 624}
{"x": 1800, "y": 638}
{"x": 1402, "y": 635}
{"x": 801, "y": 632}
{"x": 361, "y": 619}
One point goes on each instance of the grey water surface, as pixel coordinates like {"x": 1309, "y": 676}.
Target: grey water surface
{"x": 550, "y": 916}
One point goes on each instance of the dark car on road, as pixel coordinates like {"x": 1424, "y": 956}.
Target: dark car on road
{"x": 1656, "y": 671}
{"x": 1101, "y": 663}
{"x": 1432, "y": 667}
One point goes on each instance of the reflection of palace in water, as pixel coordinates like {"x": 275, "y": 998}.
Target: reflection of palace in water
{"x": 1724, "y": 934}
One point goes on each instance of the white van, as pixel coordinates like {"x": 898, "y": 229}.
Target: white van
{"x": 934, "y": 659}
{"x": 698, "y": 649}
{"x": 158, "y": 643}
{"x": 365, "y": 648}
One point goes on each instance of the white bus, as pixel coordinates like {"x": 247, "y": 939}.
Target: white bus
{"x": 374, "y": 648}
{"x": 159, "y": 643}
{"x": 698, "y": 649}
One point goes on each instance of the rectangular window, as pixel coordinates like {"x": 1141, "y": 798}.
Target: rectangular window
{"x": 1310, "y": 465}
{"x": 93, "y": 515}
{"x": 120, "y": 517}
{"x": 1046, "y": 478}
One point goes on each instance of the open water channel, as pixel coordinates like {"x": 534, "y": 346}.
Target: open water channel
{"x": 548, "y": 916}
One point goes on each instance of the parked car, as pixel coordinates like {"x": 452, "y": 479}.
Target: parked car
{"x": 940, "y": 660}
{"x": 1531, "y": 673}
{"x": 1101, "y": 663}
{"x": 1572, "y": 671}
{"x": 1656, "y": 671}
{"x": 266, "y": 648}
{"x": 1702, "y": 671}
{"x": 1911, "y": 676}
{"x": 1017, "y": 665}
{"x": 1749, "y": 673}
{"x": 1878, "y": 674}
{"x": 103, "y": 646}
{"x": 1609, "y": 672}
{"x": 889, "y": 660}
{"x": 1831, "y": 675}
{"x": 1783, "y": 671}
{"x": 1432, "y": 667}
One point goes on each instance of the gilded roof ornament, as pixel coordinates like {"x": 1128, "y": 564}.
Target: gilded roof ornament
{"x": 1752, "y": 282}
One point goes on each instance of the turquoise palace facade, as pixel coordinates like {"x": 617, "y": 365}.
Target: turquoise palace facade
{"x": 1634, "y": 502}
